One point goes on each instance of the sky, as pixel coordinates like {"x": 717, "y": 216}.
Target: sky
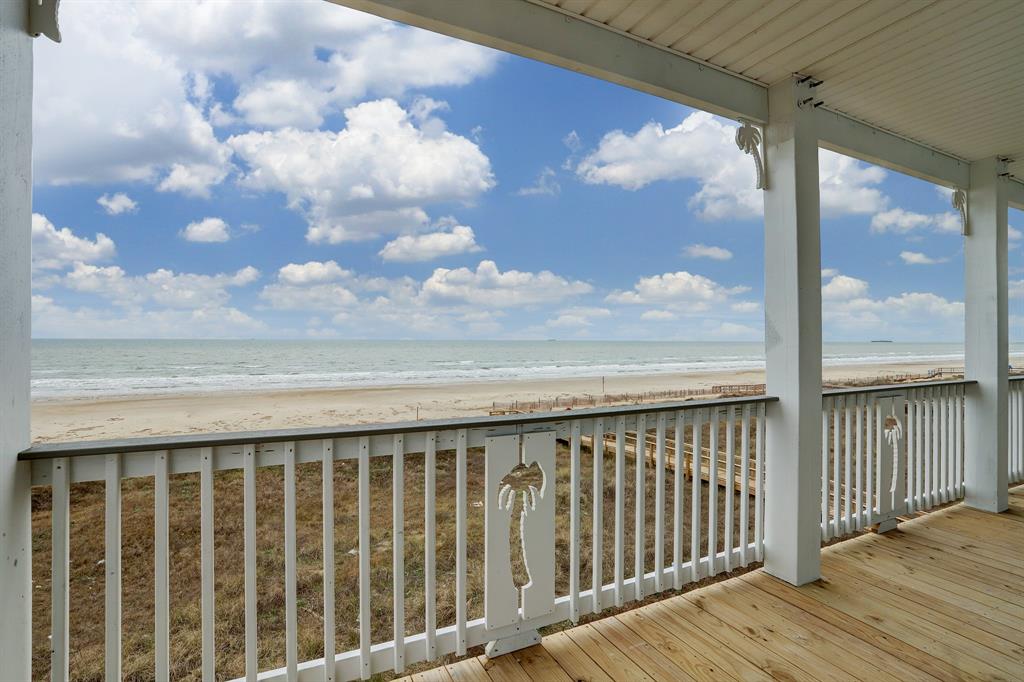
{"x": 258, "y": 169}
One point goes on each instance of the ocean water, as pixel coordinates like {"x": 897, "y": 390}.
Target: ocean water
{"x": 82, "y": 368}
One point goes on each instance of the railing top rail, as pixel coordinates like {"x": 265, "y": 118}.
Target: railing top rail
{"x": 889, "y": 388}
{"x": 1017, "y": 377}
{"x": 152, "y": 443}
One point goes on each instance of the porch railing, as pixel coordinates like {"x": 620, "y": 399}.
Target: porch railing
{"x": 1015, "y": 460}
{"x": 521, "y": 459}
{"x": 888, "y": 451}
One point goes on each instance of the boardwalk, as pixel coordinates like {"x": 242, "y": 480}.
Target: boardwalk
{"x": 941, "y": 598}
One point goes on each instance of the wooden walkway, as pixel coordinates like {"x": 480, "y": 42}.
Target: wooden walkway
{"x": 940, "y": 598}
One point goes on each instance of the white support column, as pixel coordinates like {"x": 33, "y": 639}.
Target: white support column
{"x": 792, "y": 338}
{"x": 15, "y": 315}
{"x": 986, "y": 338}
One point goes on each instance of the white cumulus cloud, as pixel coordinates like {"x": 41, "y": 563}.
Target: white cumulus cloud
{"x": 312, "y": 272}
{"x": 702, "y": 148}
{"x": 207, "y": 230}
{"x": 490, "y": 287}
{"x": 117, "y": 204}
{"x": 371, "y": 178}
{"x": 425, "y": 247}
{"x": 545, "y": 185}
{"x": 163, "y": 287}
{"x": 900, "y": 221}
{"x": 54, "y": 249}
{"x": 843, "y": 287}
{"x": 681, "y": 288}
{"x": 917, "y": 258}
{"x": 704, "y": 251}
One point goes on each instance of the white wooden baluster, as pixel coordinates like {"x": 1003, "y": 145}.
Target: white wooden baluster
{"x": 112, "y": 568}
{"x": 930, "y": 469}
{"x": 859, "y": 483}
{"x": 745, "y": 482}
{"x": 759, "y": 485}
{"x": 597, "y": 578}
{"x": 364, "y": 558}
{"x": 885, "y": 470}
{"x": 398, "y": 548}
{"x": 870, "y": 459}
{"x": 958, "y": 424}
{"x": 898, "y": 479}
{"x": 460, "y": 542}
{"x": 291, "y": 616}
{"x": 826, "y": 409}
{"x": 207, "y": 595}
{"x": 730, "y": 480}
{"x": 60, "y": 520}
{"x": 327, "y": 454}
{"x": 695, "y": 479}
{"x": 942, "y": 403}
{"x": 678, "y": 472}
{"x": 620, "y": 507}
{"x": 659, "y": 502}
{"x": 922, "y": 454}
{"x": 837, "y": 529}
{"x": 912, "y": 485}
{"x": 847, "y": 456}
{"x": 161, "y": 567}
{"x": 574, "y": 523}
{"x": 713, "y": 495}
{"x": 249, "y": 532}
{"x": 639, "y": 544}
{"x": 430, "y": 544}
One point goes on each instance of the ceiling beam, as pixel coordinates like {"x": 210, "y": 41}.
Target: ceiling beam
{"x": 541, "y": 32}
{"x": 552, "y": 37}
{"x": 852, "y": 137}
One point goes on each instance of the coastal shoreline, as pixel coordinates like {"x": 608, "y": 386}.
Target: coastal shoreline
{"x": 71, "y": 419}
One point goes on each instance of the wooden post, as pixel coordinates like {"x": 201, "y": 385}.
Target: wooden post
{"x": 792, "y": 336}
{"x": 15, "y": 321}
{"x": 986, "y": 356}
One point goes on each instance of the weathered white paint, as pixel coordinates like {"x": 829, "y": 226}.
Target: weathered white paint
{"x": 15, "y": 320}
{"x": 986, "y": 355}
{"x": 792, "y": 337}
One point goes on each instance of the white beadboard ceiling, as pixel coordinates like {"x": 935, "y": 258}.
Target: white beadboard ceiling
{"x": 945, "y": 73}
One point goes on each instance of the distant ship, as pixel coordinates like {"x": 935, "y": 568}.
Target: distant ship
{"x": 881, "y": 340}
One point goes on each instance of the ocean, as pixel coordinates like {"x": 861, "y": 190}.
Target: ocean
{"x": 83, "y": 368}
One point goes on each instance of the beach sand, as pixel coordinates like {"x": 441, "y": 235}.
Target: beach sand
{"x": 158, "y": 415}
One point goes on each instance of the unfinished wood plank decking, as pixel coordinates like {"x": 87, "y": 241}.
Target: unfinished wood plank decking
{"x": 940, "y": 598}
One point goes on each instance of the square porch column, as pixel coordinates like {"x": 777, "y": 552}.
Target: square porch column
{"x": 792, "y": 337}
{"x": 15, "y": 317}
{"x": 986, "y": 345}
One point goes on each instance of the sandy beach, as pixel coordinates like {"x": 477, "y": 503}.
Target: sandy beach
{"x": 153, "y": 415}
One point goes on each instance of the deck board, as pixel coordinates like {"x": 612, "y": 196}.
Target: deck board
{"x": 942, "y": 598}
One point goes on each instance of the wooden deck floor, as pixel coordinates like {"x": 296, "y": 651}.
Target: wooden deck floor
{"x": 940, "y": 598}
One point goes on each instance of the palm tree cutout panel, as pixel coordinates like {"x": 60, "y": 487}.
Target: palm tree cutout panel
{"x": 519, "y": 522}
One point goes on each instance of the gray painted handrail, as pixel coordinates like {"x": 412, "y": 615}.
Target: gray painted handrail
{"x": 887, "y": 388}
{"x": 99, "y": 447}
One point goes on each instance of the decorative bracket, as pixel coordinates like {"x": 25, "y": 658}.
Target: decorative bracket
{"x": 960, "y": 204}
{"x": 42, "y": 19}
{"x": 748, "y": 139}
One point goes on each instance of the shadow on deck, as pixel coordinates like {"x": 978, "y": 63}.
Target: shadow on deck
{"x": 942, "y": 598}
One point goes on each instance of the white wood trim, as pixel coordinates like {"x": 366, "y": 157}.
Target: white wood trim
{"x": 792, "y": 337}
{"x": 986, "y": 348}
{"x": 15, "y": 344}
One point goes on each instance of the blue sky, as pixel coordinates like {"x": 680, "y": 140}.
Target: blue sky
{"x": 252, "y": 170}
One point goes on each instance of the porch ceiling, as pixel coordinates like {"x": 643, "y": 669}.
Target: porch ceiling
{"x": 946, "y": 73}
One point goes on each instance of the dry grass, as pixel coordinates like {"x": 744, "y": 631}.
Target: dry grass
{"x": 87, "y": 583}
